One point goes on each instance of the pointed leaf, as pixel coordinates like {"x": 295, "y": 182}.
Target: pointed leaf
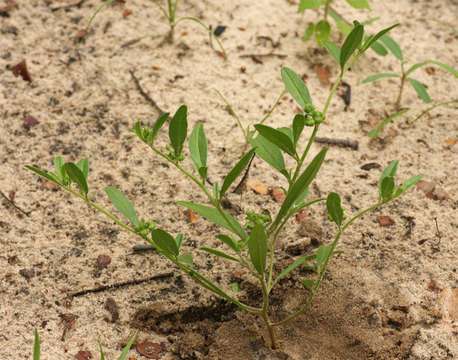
{"x": 126, "y": 349}
{"x": 214, "y": 216}
{"x": 36, "y": 346}
{"x": 322, "y": 255}
{"x": 58, "y": 167}
{"x": 291, "y": 267}
{"x": 445, "y": 67}
{"x": 308, "y": 33}
{"x": 257, "y": 247}
{"x": 359, "y": 4}
{"x": 387, "y": 188}
{"x": 309, "y": 4}
{"x": 298, "y": 127}
{"x": 322, "y": 31}
{"x": 379, "y": 76}
{"x": 43, "y": 173}
{"x": 333, "y": 50}
{"x": 296, "y": 87}
{"x": 83, "y": 165}
{"x": 165, "y": 242}
{"x": 409, "y": 183}
{"x": 392, "y": 46}
{"x": 219, "y": 253}
{"x": 278, "y": 138}
{"x": 158, "y": 125}
{"x": 198, "y": 147}
{"x": 334, "y": 207}
{"x": 351, "y": 43}
{"x": 76, "y": 176}
{"x": 236, "y": 171}
{"x": 178, "y": 129}
{"x": 420, "y": 90}
{"x": 373, "y": 39}
{"x": 122, "y": 204}
{"x": 186, "y": 259}
{"x": 269, "y": 152}
{"x": 229, "y": 242}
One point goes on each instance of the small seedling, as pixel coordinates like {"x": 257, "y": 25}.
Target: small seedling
{"x": 36, "y": 354}
{"x": 404, "y": 77}
{"x": 250, "y": 244}
{"x": 169, "y": 11}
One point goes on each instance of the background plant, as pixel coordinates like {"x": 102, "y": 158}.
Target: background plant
{"x": 405, "y": 78}
{"x": 250, "y": 244}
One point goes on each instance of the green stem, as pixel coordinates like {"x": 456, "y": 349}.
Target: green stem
{"x": 431, "y": 108}
{"x": 397, "y": 103}
{"x": 326, "y": 9}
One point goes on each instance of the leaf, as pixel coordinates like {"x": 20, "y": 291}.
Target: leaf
{"x": 308, "y": 283}
{"x": 333, "y": 50}
{"x": 390, "y": 170}
{"x": 379, "y": 76}
{"x": 343, "y": 26}
{"x": 296, "y": 87}
{"x": 291, "y": 267}
{"x": 122, "y": 204}
{"x": 359, "y": 4}
{"x": 257, "y": 247}
{"x": 379, "y": 49}
{"x": 309, "y": 4}
{"x": 43, "y": 173}
{"x": 373, "y": 40}
{"x": 198, "y": 148}
{"x": 387, "y": 188}
{"x": 158, "y": 125}
{"x": 333, "y": 205}
{"x": 269, "y": 152}
{"x": 186, "y": 259}
{"x": 179, "y": 240}
{"x": 351, "y": 43}
{"x": 421, "y": 90}
{"x": 178, "y": 129}
{"x": 236, "y": 171}
{"x": 322, "y": 31}
{"x": 214, "y": 216}
{"x": 392, "y": 46}
{"x": 409, "y": 183}
{"x": 126, "y": 349}
{"x": 219, "y": 253}
{"x": 36, "y": 346}
{"x": 308, "y": 33}
{"x": 83, "y": 165}
{"x": 229, "y": 242}
{"x": 76, "y": 176}
{"x": 278, "y": 138}
{"x": 164, "y": 242}
{"x": 58, "y": 167}
{"x": 381, "y": 125}
{"x": 445, "y": 67}
{"x": 302, "y": 183}
{"x": 102, "y": 355}
{"x": 322, "y": 255}
{"x": 298, "y": 127}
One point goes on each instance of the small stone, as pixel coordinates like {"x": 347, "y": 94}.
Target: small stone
{"x": 83, "y": 355}
{"x": 385, "y": 220}
{"x": 27, "y": 273}
{"x": 149, "y": 349}
{"x": 310, "y": 229}
{"x": 112, "y": 307}
{"x": 29, "y": 122}
{"x": 278, "y": 194}
{"x": 440, "y": 194}
{"x": 426, "y": 187}
{"x": 103, "y": 261}
{"x": 191, "y": 216}
{"x": 258, "y": 187}
{"x": 301, "y": 216}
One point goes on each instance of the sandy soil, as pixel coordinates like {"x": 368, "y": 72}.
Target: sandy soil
{"x": 391, "y": 293}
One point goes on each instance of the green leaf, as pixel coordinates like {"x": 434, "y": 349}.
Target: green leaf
{"x": 76, "y": 176}
{"x": 83, "y": 165}
{"x": 343, "y": 26}
{"x": 309, "y": 4}
{"x": 333, "y": 50}
{"x": 302, "y": 183}
{"x": 298, "y": 127}
{"x": 373, "y": 40}
{"x": 379, "y": 76}
{"x": 322, "y": 255}
{"x": 334, "y": 207}
{"x": 236, "y": 171}
{"x": 102, "y": 354}
{"x": 158, "y": 125}
{"x": 122, "y": 204}
{"x": 392, "y": 46}
{"x": 379, "y": 49}
{"x": 36, "y": 346}
{"x": 359, "y": 4}
{"x": 43, "y": 173}
{"x": 179, "y": 240}
{"x": 186, "y": 259}
{"x": 351, "y": 43}
{"x": 387, "y": 188}
{"x": 58, "y": 168}
{"x": 409, "y": 183}
{"x": 229, "y": 242}
{"x": 269, "y": 152}
{"x": 445, "y": 67}
{"x": 390, "y": 170}
{"x": 308, "y": 33}
{"x": 198, "y": 148}
{"x": 178, "y": 129}
{"x": 214, "y": 216}
{"x": 278, "y": 138}
{"x": 126, "y": 349}
{"x": 381, "y": 125}
{"x": 322, "y": 32}
{"x": 257, "y": 247}
{"x": 291, "y": 267}
{"x": 296, "y": 87}
{"x": 164, "y": 242}
{"x": 421, "y": 90}
{"x": 219, "y": 253}
{"x": 309, "y": 284}
{"x": 234, "y": 286}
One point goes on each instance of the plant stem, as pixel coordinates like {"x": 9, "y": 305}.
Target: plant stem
{"x": 397, "y": 104}
{"x": 326, "y": 9}
{"x": 265, "y": 312}
{"x": 431, "y": 108}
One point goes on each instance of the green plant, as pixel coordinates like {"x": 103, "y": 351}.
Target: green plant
{"x": 404, "y": 77}
{"x": 36, "y": 354}
{"x": 169, "y": 11}
{"x": 252, "y": 244}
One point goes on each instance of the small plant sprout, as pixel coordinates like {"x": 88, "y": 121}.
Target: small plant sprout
{"x": 36, "y": 355}
{"x": 405, "y": 78}
{"x": 168, "y": 9}
{"x": 249, "y": 242}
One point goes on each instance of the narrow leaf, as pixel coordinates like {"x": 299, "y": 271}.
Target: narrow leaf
{"x": 379, "y": 76}
{"x": 373, "y": 39}
{"x": 218, "y": 253}
{"x": 291, "y": 267}
{"x": 309, "y": 4}
{"x": 333, "y": 50}
{"x": 445, "y": 67}
{"x": 322, "y": 255}
{"x": 278, "y": 138}
{"x": 178, "y": 129}
{"x": 198, "y": 147}
{"x": 76, "y": 176}
{"x": 36, "y": 346}
{"x": 122, "y": 204}
{"x": 322, "y": 31}
{"x": 269, "y": 152}
{"x": 257, "y": 247}
{"x": 420, "y": 90}
{"x": 334, "y": 207}
{"x": 392, "y": 46}
{"x": 58, "y": 167}
{"x": 298, "y": 127}
{"x": 359, "y": 4}
{"x": 351, "y": 43}
{"x": 83, "y": 165}
{"x": 165, "y": 242}
{"x": 409, "y": 183}
{"x": 296, "y": 87}
{"x": 236, "y": 171}
{"x": 308, "y": 33}
{"x": 387, "y": 188}
{"x": 126, "y": 349}
{"x": 43, "y": 173}
{"x": 229, "y": 242}
{"x": 158, "y": 125}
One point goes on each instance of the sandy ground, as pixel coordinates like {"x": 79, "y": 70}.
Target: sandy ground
{"x": 391, "y": 293}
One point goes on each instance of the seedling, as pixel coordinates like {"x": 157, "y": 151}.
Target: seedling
{"x": 36, "y": 354}
{"x": 169, "y": 11}
{"x": 250, "y": 244}
{"x": 404, "y": 77}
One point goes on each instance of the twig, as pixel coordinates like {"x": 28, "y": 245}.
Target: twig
{"x": 67, "y": 6}
{"x": 237, "y": 189}
{"x": 144, "y": 94}
{"x": 344, "y": 143}
{"x": 13, "y": 204}
{"x": 257, "y": 57}
{"x": 121, "y": 285}
{"x": 141, "y": 248}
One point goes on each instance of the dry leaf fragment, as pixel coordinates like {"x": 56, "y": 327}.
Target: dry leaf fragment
{"x": 323, "y": 73}
{"x": 103, "y": 261}
{"x": 278, "y": 194}
{"x": 21, "y": 70}
{"x": 29, "y": 122}
{"x": 191, "y": 216}
{"x": 83, "y": 355}
{"x": 385, "y": 220}
{"x": 149, "y": 349}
